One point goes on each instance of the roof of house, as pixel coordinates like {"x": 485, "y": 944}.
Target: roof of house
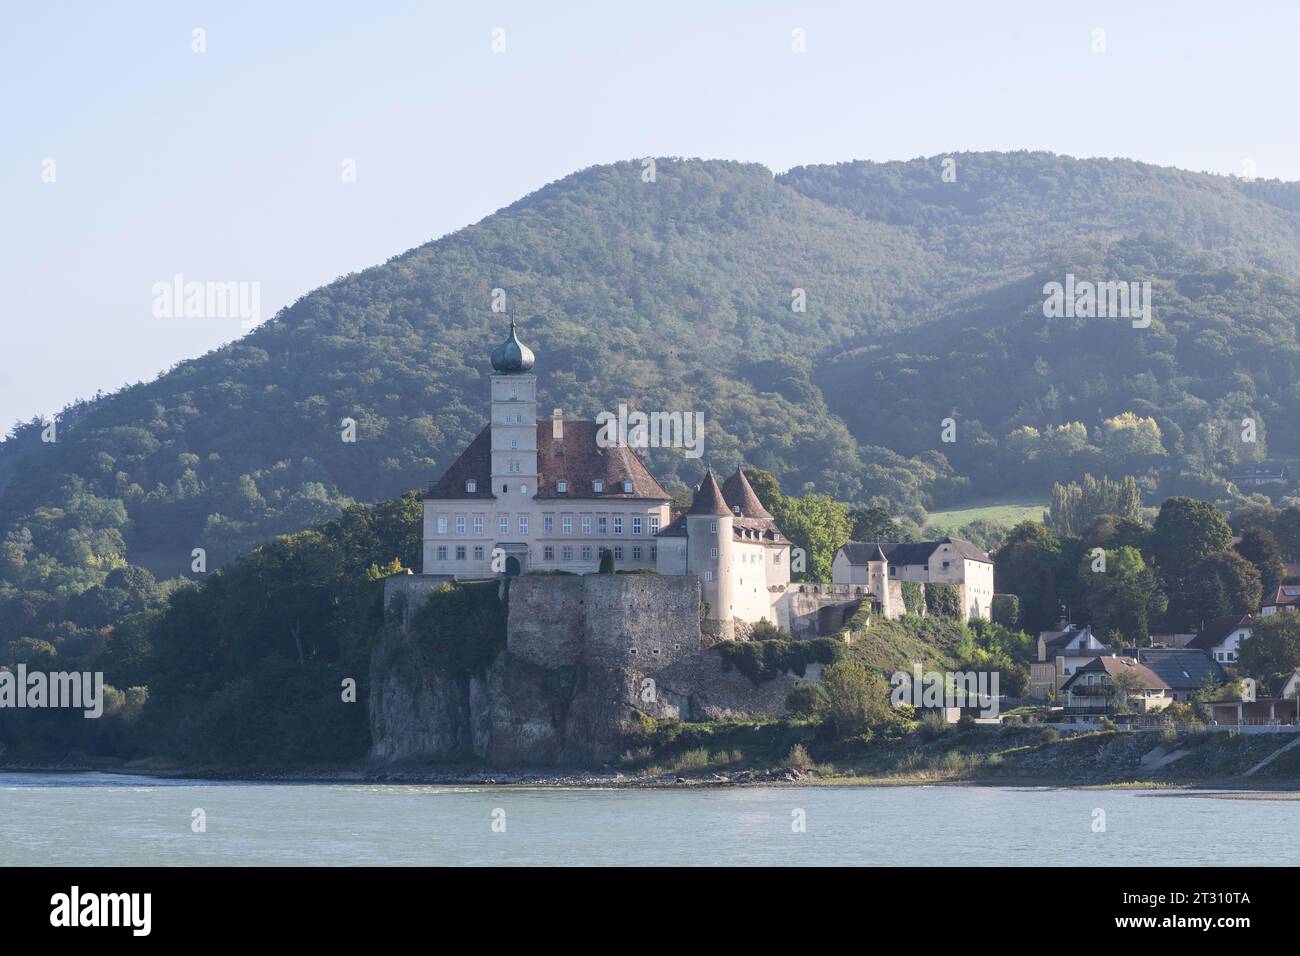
{"x": 1286, "y": 594}
{"x": 1112, "y": 665}
{"x": 739, "y": 493}
{"x": 908, "y": 552}
{"x": 1182, "y": 668}
{"x": 1260, "y": 469}
{"x": 1217, "y": 631}
{"x": 1059, "y": 638}
{"x": 574, "y": 457}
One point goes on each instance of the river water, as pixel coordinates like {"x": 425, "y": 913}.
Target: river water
{"x": 106, "y": 819}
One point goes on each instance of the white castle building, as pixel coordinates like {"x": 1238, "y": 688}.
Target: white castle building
{"x": 532, "y": 494}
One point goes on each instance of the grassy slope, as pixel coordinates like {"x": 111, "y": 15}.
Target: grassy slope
{"x": 1006, "y": 512}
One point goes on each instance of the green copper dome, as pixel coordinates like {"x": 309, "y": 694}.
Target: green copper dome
{"x": 512, "y": 356}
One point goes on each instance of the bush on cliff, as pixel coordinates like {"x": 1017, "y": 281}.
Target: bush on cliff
{"x": 462, "y": 628}
{"x": 943, "y": 600}
{"x": 763, "y": 660}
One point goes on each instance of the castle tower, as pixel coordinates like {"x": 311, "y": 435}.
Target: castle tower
{"x": 514, "y": 426}
{"x": 709, "y": 533}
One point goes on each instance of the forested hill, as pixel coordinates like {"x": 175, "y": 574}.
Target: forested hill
{"x": 924, "y": 300}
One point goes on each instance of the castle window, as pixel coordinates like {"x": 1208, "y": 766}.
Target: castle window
{"x": 654, "y": 553}
{"x": 618, "y": 524}
{"x": 561, "y": 487}
{"x": 548, "y": 553}
{"x": 627, "y": 487}
{"x": 523, "y": 489}
{"x": 713, "y": 527}
{"x": 523, "y": 524}
{"x": 708, "y": 575}
{"x": 442, "y": 524}
{"x": 471, "y": 486}
{"x": 514, "y": 466}
{"x": 776, "y": 558}
{"x": 514, "y": 443}
{"x": 503, "y": 524}
{"x": 636, "y": 554}
{"x": 460, "y": 552}
{"x": 602, "y": 524}
{"x": 586, "y": 524}
{"x": 654, "y": 524}
{"x": 586, "y": 552}
{"x": 442, "y": 552}
{"x": 478, "y": 524}
{"x": 460, "y": 524}
{"x": 566, "y": 524}
{"x": 597, "y": 486}
{"x": 713, "y": 552}
{"x": 478, "y": 552}
{"x": 548, "y": 524}
{"x": 618, "y": 553}
{"x": 636, "y": 524}
{"x": 566, "y": 552}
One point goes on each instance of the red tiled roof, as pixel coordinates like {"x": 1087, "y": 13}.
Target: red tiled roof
{"x": 574, "y": 458}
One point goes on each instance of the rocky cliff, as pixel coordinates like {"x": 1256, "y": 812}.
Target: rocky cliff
{"x": 584, "y": 657}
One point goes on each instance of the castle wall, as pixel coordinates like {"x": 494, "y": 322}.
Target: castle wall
{"x": 557, "y": 621}
{"x": 802, "y": 609}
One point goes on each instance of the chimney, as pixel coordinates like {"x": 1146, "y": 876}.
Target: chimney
{"x": 557, "y": 425}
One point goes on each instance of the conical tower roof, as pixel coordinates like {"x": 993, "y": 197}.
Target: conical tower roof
{"x": 738, "y": 492}
{"x": 709, "y": 499}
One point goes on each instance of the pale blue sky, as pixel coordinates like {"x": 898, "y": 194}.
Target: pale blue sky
{"x": 226, "y": 165}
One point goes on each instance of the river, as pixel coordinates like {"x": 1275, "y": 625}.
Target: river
{"x": 105, "y": 819}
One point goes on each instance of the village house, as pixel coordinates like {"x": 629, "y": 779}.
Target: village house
{"x": 882, "y": 566}
{"x": 1186, "y": 670}
{"x": 1260, "y": 473}
{"x": 1222, "y": 637}
{"x": 1061, "y": 653}
{"x": 1285, "y": 598}
{"x": 1111, "y": 684}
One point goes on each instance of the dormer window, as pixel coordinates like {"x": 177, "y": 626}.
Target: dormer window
{"x": 627, "y": 487}
{"x": 561, "y": 487}
{"x": 598, "y": 486}
{"x": 471, "y": 486}
{"x": 735, "y": 509}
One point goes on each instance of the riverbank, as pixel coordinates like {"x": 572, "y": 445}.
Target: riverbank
{"x": 784, "y": 753}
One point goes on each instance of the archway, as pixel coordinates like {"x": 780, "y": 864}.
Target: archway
{"x": 512, "y": 567}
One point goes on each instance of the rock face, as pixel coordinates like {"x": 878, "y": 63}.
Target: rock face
{"x": 584, "y": 658}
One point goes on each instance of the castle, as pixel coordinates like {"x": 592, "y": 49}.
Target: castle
{"x": 549, "y": 494}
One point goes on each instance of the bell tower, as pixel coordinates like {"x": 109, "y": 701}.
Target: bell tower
{"x": 514, "y": 423}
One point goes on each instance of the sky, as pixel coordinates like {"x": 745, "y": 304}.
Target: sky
{"x": 286, "y": 144}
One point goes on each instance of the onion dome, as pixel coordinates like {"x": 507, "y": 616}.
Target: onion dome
{"x": 512, "y": 357}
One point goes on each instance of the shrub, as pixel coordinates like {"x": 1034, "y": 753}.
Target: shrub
{"x": 856, "y": 698}
{"x": 913, "y": 597}
{"x": 806, "y": 700}
{"x": 1005, "y": 609}
{"x": 798, "y": 758}
{"x": 692, "y": 760}
{"x": 943, "y": 600}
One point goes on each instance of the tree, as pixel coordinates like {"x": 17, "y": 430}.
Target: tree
{"x": 1273, "y": 648}
{"x": 1287, "y": 531}
{"x": 1185, "y": 532}
{"x": 1127, "y": 684}
{"x": 1026, "y": 566}
{"x": 1076, "y": 506}
{"x": 1117, "y": 598}
{"x": 1260, "y": 548}
{"x": 873, "y": 524}
{"x": 606, "y": 561}
{"x": 817, "y": 523}
{"x": 1005, "y": 609}
{"x": 856, "y": 698}
{"x": 1239, "y": 578}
